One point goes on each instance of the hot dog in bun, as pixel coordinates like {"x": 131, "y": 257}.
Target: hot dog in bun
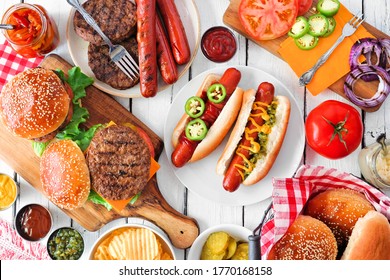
{"x": 209, "y": 116}
{"x": 256, "y": 137}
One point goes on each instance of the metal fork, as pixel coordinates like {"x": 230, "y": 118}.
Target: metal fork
{"x": 348, "y": 29}
{"x": 118, "y": 53}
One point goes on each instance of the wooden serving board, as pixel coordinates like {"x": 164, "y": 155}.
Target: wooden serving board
{"x": 151, "y": 205}
{"x": 365, "y": 90}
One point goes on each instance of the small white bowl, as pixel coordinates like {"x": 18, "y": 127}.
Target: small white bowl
{"x": 237, "y": 232}
{"x": 165, "y": 243}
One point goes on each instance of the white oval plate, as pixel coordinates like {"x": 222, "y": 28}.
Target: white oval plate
{"x": 239, "y": 233}
{"x": 200, "y": 177}
{"x": 78, "y": 48}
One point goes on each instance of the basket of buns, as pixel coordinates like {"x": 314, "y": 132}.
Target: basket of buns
{"x": 325, "y": 214}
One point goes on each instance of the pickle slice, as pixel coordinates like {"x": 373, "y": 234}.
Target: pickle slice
{"x": 231, "y": 249}
{"x": 207, "y": 254}
{"x": 218, "y": 242}
{"x": 241, "y": 252}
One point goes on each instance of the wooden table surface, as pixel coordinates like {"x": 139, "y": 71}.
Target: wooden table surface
{"x": 154, "y": 111}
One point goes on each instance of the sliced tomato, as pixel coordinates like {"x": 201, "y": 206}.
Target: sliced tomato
{"x": 267, "y": 19}
{"x": 304, "y": 6}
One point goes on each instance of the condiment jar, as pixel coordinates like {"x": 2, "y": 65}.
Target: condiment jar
{"x": 374, "y": 164}
{"x": 33, "y": 222}
{"x": 8, "y": 191}
{"x": 35, "y": 34}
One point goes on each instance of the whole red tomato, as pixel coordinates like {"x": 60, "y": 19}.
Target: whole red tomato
{"x": 334, "y": 129}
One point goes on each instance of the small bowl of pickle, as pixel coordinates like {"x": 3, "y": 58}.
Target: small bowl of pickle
{"x": 221, "y": 242}
{"x": 65, "y": 243}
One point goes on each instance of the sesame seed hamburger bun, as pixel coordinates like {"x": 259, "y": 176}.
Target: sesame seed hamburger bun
{"x": 64, "y": 174}
{"x": 370, "y": 239}
{"x": 306, "y": 239}
{"x": 339, "y": 209}
{"x": 35, "y": 103}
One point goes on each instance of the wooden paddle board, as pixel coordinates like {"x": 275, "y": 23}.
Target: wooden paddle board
{"x": 151, "y": 205}
{"x": 365, "y": 90}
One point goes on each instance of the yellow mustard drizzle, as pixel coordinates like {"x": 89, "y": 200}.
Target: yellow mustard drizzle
{"x": 8, "y": 191}
{"x": 254, "y": 145}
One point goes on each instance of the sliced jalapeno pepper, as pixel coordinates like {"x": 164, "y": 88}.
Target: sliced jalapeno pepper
{"x": 300, "y": 28}
{"x": 194, "y": 107}
{"x": 216, "y": 93}
{"x": 318, "y": 25}
{"x": 306, "y": 42}
{"x": 331, "y": 27}
{"x": 328, "y": 7}
{"x": 196, "y": 130}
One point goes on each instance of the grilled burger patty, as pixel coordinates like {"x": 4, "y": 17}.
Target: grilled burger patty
{"x": 106, "y": 70}
{"x": 119, "y": 162}
{"x": 116, "y": 18}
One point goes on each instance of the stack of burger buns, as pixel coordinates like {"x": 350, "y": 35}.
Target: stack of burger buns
{"x": 336, "y": 224}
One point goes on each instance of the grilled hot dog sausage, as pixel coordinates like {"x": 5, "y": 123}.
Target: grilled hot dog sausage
{"x": 147, "y": 49}
{"x": 186, "y": 147}
{"x": 165, "y": 60}
{"x": 233, "y": 176}
{"x": 177, "y": 35}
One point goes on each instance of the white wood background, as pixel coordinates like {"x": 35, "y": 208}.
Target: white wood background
{"x": 153, "y": 112}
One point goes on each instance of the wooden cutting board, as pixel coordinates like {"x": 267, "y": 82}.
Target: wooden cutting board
{"x": 151, "y": 205}
{"x": 367, "y": 90}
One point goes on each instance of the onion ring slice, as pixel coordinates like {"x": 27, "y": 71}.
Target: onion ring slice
{"x": 382, "y": 91}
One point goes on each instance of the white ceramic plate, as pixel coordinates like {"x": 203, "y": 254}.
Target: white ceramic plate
{"x": 239, "y": 233}
{"x": 78, "y": 48}
{"x": 200, "y": 177}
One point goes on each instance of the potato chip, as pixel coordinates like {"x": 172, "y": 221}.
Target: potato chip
{"x": 134, "y": 244}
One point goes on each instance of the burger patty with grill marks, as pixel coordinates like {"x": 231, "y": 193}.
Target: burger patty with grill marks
{"x": 116, "y": 18}
{"x": 106, "y": 70}
{"x": 119, "y": 162}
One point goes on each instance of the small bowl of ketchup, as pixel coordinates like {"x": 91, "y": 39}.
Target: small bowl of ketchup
{"x": 33, "y": 222}
{"x": 218, "y": 44}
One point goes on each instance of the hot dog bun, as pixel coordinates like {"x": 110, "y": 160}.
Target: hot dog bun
{"x": 274, "y": 143}
{"x": 221, "y": 126}
{"x": 370, "y": 238}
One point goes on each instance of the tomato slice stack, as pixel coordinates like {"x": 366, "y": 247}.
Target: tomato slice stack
{"x": 268, "y": 19}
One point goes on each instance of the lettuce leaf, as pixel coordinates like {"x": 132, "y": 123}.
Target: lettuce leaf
{"x": 78, "y": 81}
{"x": 97, "y": 199}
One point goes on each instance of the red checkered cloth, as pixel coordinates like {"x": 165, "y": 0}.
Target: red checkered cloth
{"x": 290, "y": 195}
{"x": 11, "y": 63}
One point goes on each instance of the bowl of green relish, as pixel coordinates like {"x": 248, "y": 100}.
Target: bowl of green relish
{"x": 65, "y": 244}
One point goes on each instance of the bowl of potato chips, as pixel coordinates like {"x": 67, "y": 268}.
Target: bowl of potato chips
{"x": 221, "y": 242}
{"x": 132, "y": 242}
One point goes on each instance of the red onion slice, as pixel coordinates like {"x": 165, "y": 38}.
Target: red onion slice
{"x": 382, "y": 91}
{"x": 367, "y": 47}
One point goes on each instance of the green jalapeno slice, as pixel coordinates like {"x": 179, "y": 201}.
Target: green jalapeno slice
{"x": 196, "y": 130}
{"x": 194, "y": 107}
{"x": 216, "y": 93}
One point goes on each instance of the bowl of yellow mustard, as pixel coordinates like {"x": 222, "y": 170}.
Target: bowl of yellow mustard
{"x": 8, "y": 191}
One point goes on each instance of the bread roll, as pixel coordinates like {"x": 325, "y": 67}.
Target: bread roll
{"x": 306, "y": 239}
{"x": 370, "y": 239}
{"x": 34, "y": 103}
{"x": 64, "y": 174}
{"x": 339, "y": 209}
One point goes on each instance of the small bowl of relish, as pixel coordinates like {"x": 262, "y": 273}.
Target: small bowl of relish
{"x": 65, "y": 243}
{"x": 218, "y": 44}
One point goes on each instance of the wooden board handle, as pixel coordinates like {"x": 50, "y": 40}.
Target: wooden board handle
{"x": 181, "y": 230}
